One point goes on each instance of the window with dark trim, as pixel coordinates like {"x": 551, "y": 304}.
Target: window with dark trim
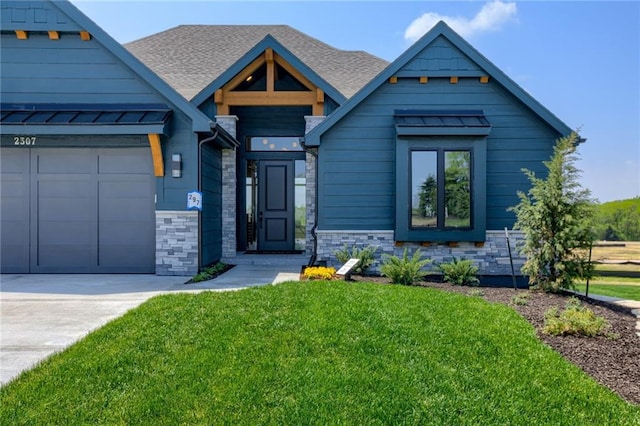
{"x": 441, "y": 189}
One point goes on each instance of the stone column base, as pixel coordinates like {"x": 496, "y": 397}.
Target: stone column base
{"x": 176, "y": 242}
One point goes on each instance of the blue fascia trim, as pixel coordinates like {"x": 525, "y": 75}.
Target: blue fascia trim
{"x": 267, "y": 42}
{"x": 118, "y": 129}
{"x": 440, "y": 29}
{"x": 200, "y": 122}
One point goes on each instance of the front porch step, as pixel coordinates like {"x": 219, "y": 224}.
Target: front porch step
{"x": 267, "y": 259}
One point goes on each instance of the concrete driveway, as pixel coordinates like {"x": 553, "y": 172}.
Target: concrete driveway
{"x": 43, "y": 314}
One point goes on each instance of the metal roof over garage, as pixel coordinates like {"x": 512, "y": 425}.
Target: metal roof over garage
{"x": 84, "y": 119}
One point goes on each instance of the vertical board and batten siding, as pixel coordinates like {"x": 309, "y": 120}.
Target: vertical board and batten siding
{"x": 357, "y": 155}
{"x": 211, "y": 232}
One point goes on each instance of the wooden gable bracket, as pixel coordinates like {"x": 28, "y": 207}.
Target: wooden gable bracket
{"x": 453, "y": 80}
{"x": 218, "y": 97}
{"x": 54, "y": 35}
{"x": 393, "y": 80}
{"x": 85, "y": 36}
{"x": 484, "y": 79}
{"x": 156, "y": 154}
{"x": 22, "y": 35}
{"x": 424, "y": 80}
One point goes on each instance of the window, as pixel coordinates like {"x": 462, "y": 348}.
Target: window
{"x": 440, "y": 188}
{"x": 440, "y": 196}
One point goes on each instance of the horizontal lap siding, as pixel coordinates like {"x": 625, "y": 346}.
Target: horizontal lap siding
{"x": 212, "y": 205}
{"x": 68, "y": 70}
{"x": 357, "y": 155}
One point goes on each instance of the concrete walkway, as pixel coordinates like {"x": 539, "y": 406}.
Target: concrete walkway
{"x": 44, "y": 314}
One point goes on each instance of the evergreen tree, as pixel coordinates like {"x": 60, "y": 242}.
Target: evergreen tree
{"x": 556, "y": 216}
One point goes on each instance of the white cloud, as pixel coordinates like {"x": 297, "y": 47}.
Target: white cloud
{"x": 491, "y": 17}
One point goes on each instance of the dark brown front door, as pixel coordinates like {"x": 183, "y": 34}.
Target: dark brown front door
{"x": 276, "y": 205}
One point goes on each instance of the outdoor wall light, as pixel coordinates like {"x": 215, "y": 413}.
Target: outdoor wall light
{"x": 176, "y": 165}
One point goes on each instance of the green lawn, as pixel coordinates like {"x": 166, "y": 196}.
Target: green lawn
{"x": 623, "y": 291}
{"x": 313, "y": 353}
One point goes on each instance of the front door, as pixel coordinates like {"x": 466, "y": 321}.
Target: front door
{"x": 276, "y": 225}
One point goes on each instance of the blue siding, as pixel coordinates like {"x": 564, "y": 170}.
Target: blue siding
{"x": 212, "y": 205}
{"x": 69, "y": 70}
{"x": 270, "y": 121}
{"x": 172, "y": 192}
{"x": 357, "y": 157}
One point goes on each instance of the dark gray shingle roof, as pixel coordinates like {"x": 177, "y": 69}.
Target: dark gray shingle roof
{"x": 189, "y": 57}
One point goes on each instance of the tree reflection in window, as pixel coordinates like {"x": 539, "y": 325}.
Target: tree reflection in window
{"x": 449, "y": 184}
{"x": 424, "y": 209}
{"x": 457, "y": 189}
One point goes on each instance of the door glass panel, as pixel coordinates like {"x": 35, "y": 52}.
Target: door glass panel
{"x": 274, "y": 144}
{"x": 300, "y": 197}
{"x": 457, "y": 189}
{"x": 424, "y": 189}
{"x": 276, "y": 187}
{"x": 251, "y": 182}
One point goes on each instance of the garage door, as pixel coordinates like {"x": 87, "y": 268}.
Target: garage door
{"x": 77, "y": 210}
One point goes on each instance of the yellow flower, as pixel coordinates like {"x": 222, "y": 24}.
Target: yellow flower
{"x": 319, "y": 273}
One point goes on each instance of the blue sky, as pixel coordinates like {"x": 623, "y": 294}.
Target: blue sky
{"x": 579, "y": 59}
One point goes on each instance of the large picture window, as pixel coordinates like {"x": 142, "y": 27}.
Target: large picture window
{"x": 441, "y": 189}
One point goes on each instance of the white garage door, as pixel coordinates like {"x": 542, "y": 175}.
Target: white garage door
{"x": 77, "y": 210}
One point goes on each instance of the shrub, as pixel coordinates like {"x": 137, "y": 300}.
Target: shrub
{"x": 210, "y": 272}
{"x": 574, "y": 320}
{"x": 460, "y": 272}
{"x": 475, "y": 292}
{"x": 521, "y": 299}
{"x": 365, "y": 256}
{"x": 319, "y": 273}
{"x": 406, "y": 270}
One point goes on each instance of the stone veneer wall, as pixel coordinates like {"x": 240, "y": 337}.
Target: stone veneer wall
{"x": 229, "y": 188}
{"x": 311, "y": 121}
{"x": 310, "y": 194}
{"x": 176, "y": 242}
{"x": 491, "y": 259}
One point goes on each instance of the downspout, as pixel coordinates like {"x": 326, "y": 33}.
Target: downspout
{"x": 314, "y": 252}
{"x": 202, "y": 142}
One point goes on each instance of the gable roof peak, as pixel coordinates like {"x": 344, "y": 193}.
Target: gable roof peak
{"x": 440, "y": 29}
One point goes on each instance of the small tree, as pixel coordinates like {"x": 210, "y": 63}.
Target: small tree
{"x": 556, "y": 216}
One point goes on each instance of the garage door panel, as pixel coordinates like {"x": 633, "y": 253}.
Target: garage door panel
{"x": 14, "y": 210}
{"x": 64, "y": 161}
{"x": 121, "y": 260}
{"x": 64, "y": 257}
{"x": 65, "y": 209}
{"x": 114, "y": 232}
{"x": 65, "y": 232}
{"x": 138, "y": 163}
{"x": 79, "y": 210}
{"x": 125, "y": 188}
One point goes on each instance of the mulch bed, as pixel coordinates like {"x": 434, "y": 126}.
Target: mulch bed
{"x": 613, "y": 362}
